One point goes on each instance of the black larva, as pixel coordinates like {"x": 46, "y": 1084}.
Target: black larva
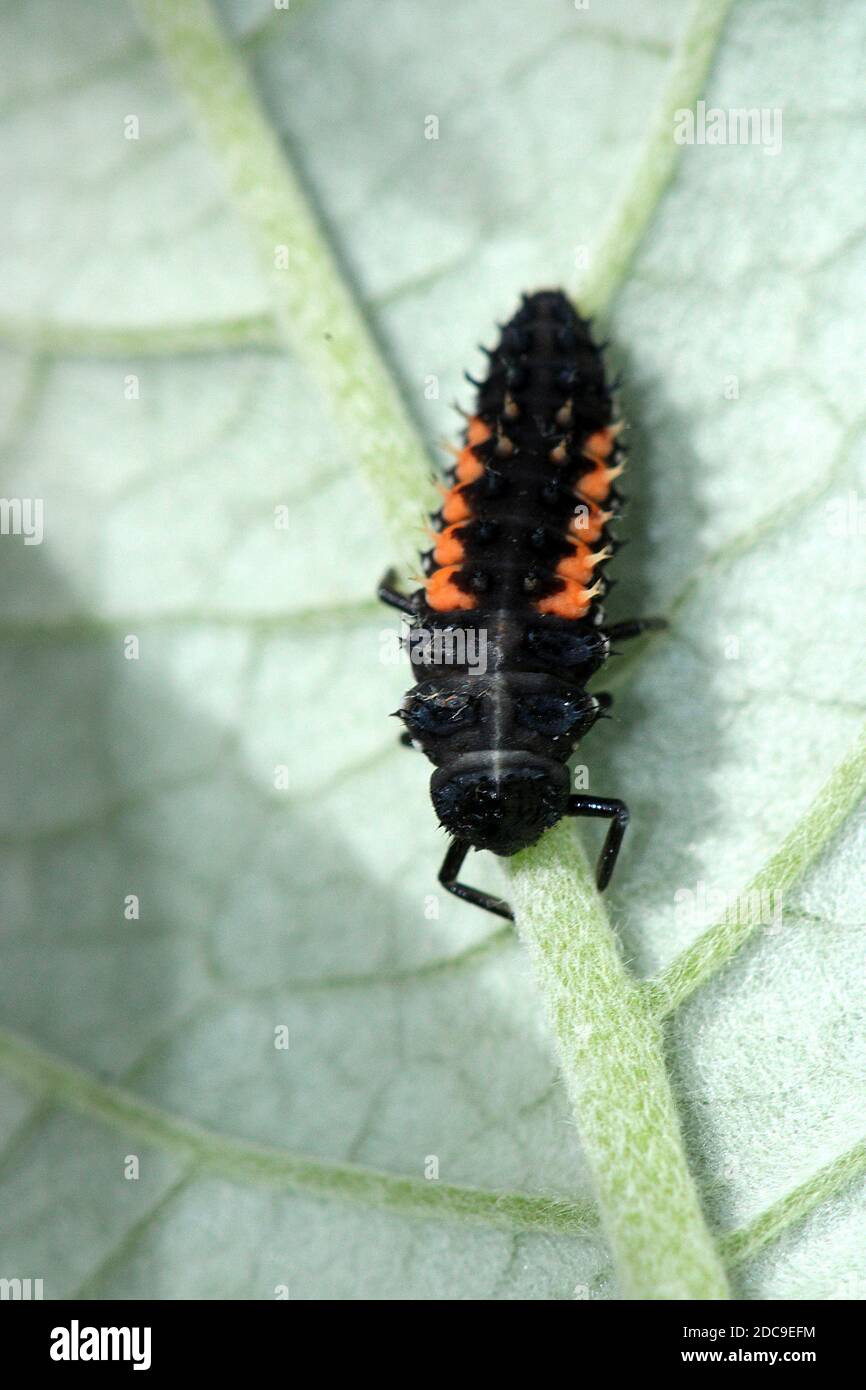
{"x": 516, "y": 573}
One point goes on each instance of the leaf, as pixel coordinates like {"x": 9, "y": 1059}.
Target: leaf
{"x": 413, "y": 1038}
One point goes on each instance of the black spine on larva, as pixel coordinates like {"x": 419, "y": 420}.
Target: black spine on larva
{"x": 545, "y": 387}
{"x": 544, "y": 357}
{"x": 499, "y": 703}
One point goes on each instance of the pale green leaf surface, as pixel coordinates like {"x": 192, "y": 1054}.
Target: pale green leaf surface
{"x": 261, "y": 648}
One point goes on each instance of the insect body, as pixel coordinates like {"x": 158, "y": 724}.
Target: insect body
{"x": 519, "y": 549}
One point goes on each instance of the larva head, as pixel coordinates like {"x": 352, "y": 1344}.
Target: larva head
{"x": 500, "y": 801}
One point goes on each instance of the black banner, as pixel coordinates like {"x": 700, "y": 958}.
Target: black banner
{"x": 154, "y": 1338}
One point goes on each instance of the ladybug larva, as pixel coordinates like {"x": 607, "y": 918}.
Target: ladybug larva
{"x": 509, "y": 626}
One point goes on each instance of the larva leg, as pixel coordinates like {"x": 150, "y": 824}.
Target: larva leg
{"x": 394, "y": 599}
{"x": 608, "y": 809}
{"x": 451, "y": 866}
{"x": 634, "y": 627}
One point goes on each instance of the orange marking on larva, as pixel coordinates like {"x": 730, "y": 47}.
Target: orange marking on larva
{"x": 599, "y": 446}
{"x": 443, "y": 594}
{"x": 449, "y": 547}
{"x": 596, "y": 485}
{"x": 477, "y": 431}
{"x": 454, "y": 506}
{"x": 559, "y": 454}
{"x": 574, "y": 601}
{"x": 468, "y": 466}
{"x": 587, "y": 522}
{"x": 581, "y": 563}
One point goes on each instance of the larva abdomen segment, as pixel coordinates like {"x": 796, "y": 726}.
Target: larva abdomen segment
{"x": 540, "y": 456}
